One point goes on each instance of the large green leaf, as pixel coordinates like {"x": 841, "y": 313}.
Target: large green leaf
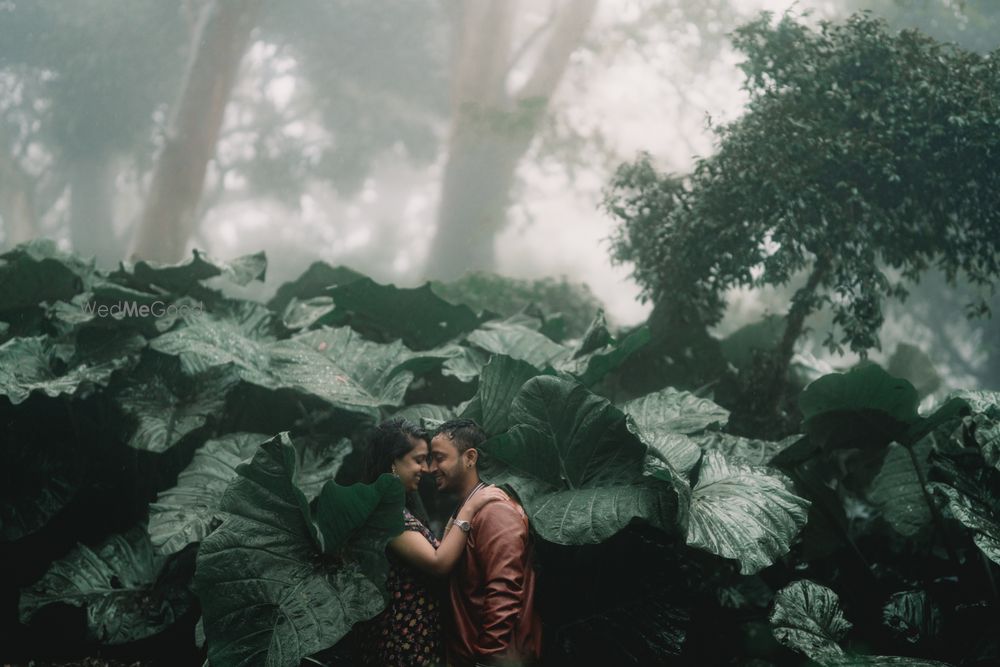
{"x": 269, "y": 595}
{"x": 575, "y": 466}
{"x": 418, "y": 316}
{"x": 750, "y": 451}
{"x": 986, "y": 433}
{"x": 384, "y": 371}
{"x": 303, "y": 314}
{"x": 41, "y": 364}
{"x": 515, "y": 340}
{"x": 116, "y": 584}
{"x": 978, "y": 509}
{"x": 593, "y": 366}
{"x": 987, "y": 402}
{"x": 912, "y": 616}
{"x": 807, "y": 618}
{"x": 179, "y": 278}
{"x": 189, "y": 511}
{"x": 744, "y": 513}
{"x": 969, "y": 484}
{"x": 318, "y": 460}
{"x": 898, "y": 489}
{"x": 240, "y": 335}
{"x": 166, "y": 406}
{"x": 863, "y": 407}
{"x": 676, "y": 411}
{"x": 467, "y": 364}
{"x": 598, "y": 353}
{"x": 500, "y": 382}
{"x": 314, "y": 282}
{"x": 664, "y": 418}
{"x": 242, "y": 338}
{"x": 595, "y": 337}
{"x": 37, "y": 271}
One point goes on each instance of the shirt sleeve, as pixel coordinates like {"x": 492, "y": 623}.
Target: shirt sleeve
{"x": 501, "y": 549}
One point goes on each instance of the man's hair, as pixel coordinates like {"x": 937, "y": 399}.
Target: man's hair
{"x": 465, "y": 433}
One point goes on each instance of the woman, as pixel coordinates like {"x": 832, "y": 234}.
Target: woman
{"x": 408, "y": 631}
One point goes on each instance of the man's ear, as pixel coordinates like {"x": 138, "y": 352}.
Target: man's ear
{"x": 471, "y": 457}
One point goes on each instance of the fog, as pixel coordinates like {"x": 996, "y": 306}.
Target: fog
{"x": 346, "y": 137}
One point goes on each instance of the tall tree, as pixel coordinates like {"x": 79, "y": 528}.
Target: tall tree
{"x": 869, "y": 193}
{"x": 81, "y": 83}
{"x": 168, "y": 217}
{"x": 492, "y": 126}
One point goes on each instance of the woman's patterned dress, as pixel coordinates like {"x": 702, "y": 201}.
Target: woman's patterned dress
{"x": 408, "y": 631}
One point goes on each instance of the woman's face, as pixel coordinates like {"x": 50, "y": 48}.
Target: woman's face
{"x": 412, "y": 465}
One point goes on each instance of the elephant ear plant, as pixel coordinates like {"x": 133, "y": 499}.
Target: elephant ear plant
{"x": 280, "y": 580}
{"x": 584, "y": 475}
{"x": 697, "y": 527}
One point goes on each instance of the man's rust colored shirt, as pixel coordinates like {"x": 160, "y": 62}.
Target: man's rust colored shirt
{"x": 493, "y": 590}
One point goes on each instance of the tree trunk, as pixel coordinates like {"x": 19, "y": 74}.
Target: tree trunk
{"x": 91, "y": 219}
{"x": 167, "y": 220}
{"x": 803, "y": 303}
{"x": 491, "y": 129}
{"x": 474, "y": 198}
{"x": 17, "y": 201}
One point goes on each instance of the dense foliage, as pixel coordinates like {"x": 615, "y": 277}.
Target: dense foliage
{"x": 862, "y": 159}
{"x": 187, "y": 479}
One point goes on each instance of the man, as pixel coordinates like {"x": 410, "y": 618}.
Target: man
{"x": 492, "y": 588}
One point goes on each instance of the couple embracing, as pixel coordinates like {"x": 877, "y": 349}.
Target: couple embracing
{"x": 487, "y": 614}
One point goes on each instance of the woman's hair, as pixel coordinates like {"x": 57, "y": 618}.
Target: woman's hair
{"x": 390, "y": 440}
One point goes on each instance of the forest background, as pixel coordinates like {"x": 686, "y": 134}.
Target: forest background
{"x": 754, "y": 200}
{"x": 347, "y": 133}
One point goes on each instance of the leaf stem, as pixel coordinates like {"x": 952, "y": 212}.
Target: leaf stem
{"x": 935, "y": 513}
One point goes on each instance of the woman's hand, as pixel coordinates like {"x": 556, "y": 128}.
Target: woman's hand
{"x": 483, "y": 497}
{"x": 414, "y": 548}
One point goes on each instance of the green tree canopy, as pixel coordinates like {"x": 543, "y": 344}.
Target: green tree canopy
{"x": 863, "y": 157}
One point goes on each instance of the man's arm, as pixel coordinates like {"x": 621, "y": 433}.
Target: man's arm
{"x": 501, "y": 549}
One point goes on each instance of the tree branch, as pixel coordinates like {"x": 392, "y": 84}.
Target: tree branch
{"x": 531, "y": 39}
{"x": 571, "y": 24}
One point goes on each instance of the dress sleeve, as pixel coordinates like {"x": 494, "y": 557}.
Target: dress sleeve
{"x": 501, "y": 535}
{"x": 411, "y": 522}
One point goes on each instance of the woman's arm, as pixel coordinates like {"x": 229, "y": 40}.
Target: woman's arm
{"x": 418, "y": 552}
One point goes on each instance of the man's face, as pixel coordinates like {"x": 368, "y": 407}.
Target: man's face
{"x": 448, "y": 467}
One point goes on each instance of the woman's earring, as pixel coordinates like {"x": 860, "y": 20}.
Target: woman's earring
{"x": 394, "y": 473}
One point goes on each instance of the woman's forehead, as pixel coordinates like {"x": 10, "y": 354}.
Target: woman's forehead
{"x": 419, "y": 446}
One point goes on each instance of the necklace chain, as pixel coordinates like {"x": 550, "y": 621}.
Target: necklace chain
{"x": 471, "y": 493}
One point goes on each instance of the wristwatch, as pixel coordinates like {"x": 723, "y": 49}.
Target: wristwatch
{"x": 462, "y": 525}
